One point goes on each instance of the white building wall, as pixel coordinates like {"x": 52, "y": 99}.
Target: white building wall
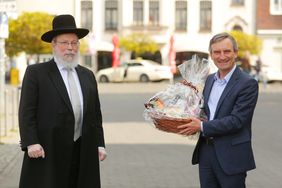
{"x": 193, "y": 17}
{"x": 190, "y": 40}
{"x": 54, "y": 7}
{"x": 224, "y": 17}
{"x": 271, "y": 56}
{"x": 98, "y": 19}
{"x": 126, "y": 12}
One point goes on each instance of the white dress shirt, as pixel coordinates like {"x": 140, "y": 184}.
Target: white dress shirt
{"x": 64, "y": 74}
{"x": 216, "y": 92}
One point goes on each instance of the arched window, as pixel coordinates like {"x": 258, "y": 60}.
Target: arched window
{"x": 237, "y": 28}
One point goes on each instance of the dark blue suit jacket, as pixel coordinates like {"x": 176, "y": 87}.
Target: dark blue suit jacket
{"x": 231, "y": 127}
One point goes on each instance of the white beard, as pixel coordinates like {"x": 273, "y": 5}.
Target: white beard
{"x": 67, "y": 64}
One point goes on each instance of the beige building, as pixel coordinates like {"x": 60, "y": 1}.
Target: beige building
{"x": 191, "y": 22}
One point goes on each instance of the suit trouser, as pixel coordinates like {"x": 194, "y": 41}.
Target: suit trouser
{"x": 74, "y": 171}
{"x": 211, "y": 173}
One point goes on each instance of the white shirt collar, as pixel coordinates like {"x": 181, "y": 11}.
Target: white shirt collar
{"x": 227, "y": 77}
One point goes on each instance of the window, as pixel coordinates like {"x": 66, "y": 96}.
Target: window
{"x": 87, "y": 61}
{"x": 86, "y": 14}
{"x": 138, "y": 12}
{"x": 180, "y": 15}
{"x": 154, "y": 13}
{"x": 237, "y": 28}
{"x": 205, "y": 15}
{"x": 111, "y": 15}
{"x": 135, "y": 65}
{"x": 276, "y": 7}
{"x": 237, "y": 2}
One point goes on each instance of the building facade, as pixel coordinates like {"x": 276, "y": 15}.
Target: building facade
{"x": 269, "y": 28}
{"x": 190, "y": 22}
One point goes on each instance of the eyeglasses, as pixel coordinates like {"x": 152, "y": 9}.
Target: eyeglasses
{"x": 65, "y": 44}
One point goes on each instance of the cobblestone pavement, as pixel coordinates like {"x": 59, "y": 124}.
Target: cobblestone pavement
{"x": 136, "y": 161}
{"x": 10, "y": 160}
{"x": 8, "y": 152}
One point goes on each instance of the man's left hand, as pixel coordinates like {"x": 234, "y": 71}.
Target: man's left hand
{"x": 102, "y": 153}
{"x": 190, "y": 128}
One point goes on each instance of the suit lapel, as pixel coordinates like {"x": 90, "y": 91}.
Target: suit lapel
{"x": 233, "y": 80}
{"x": 208, "y": 87}
{"x": 82, "y": 79}
{"x": 57, "y": 80}
{"x": 207, "y": 91}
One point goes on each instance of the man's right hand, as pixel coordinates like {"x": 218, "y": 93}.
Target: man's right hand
{"x": 35, "y": 151}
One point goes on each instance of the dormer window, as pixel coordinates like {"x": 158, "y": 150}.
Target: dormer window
{"x": 237, "y": 2}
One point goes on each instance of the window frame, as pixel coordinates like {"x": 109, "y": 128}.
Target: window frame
{"x": 138, "y": 12}
{"x": 86, "y": 14}
{"x": 272, "y": 7}
{"x": 111, "y": 15}
{"x": 237, "y": 2}
{"x": 181, "y": 12}
{"x": 154, "y": 11}
{"x": 205, "y": 14}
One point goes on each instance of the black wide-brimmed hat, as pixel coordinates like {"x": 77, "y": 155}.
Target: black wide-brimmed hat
{"x": 64, "y": 24}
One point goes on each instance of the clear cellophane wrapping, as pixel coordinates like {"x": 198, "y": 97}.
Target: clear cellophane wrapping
{"x": 176, "y": 104}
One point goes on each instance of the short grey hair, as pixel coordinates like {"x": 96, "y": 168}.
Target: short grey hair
{"x": 220, "y": 37}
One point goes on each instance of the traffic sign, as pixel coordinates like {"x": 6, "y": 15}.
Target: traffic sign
{"x": 4, "y": 27}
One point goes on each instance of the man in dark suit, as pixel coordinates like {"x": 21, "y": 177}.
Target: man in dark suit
{"x": 224, "y": 149}
{"x": 59, "y": 116}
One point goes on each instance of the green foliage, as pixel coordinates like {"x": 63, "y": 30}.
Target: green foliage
{"x": 139, "y": 43}
{"x": 25, "y": 33}
{"x": 247, "y": 43}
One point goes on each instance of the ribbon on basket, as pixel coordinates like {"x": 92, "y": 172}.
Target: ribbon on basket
{"x": 190, "y": 85}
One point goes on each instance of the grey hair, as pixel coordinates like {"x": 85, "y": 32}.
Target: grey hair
{"x": 220, "y": 37}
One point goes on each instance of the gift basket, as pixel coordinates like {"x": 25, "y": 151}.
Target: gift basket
{"x": 175, "y": 105}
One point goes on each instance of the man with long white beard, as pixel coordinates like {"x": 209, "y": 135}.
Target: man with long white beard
{"x": 60, "y": 119}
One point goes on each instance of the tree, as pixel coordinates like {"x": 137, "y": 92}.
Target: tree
{"x": 247, "y": 43}
{"x": 25, "y": 33}
{"x": 139, "y": 43}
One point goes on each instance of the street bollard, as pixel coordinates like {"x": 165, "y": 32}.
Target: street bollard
{"x": 13, "y": 109}
{"x": 6, "y": 112}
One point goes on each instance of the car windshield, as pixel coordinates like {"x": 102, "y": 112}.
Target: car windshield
{"x": 150, "y": 63}
{"x": 139, "y": 63}
{"x": 123, "y": 64}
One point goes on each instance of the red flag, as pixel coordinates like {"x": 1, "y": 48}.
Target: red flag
{"x": 172, "y": 55}
{"x": 116, "y": 52}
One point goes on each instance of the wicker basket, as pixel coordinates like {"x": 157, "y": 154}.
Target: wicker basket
{"x": 169, "y": 124}
{"x": 166, "y": 123}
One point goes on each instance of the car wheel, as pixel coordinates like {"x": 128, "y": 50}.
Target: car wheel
{"x": 103, "y": 79}
{"x": 144, "y": 78}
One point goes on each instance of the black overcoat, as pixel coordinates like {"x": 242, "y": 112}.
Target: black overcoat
{"x": 46, "y": 118}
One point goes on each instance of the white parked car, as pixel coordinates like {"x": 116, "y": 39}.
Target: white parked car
{"x": 138, "y": 70}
